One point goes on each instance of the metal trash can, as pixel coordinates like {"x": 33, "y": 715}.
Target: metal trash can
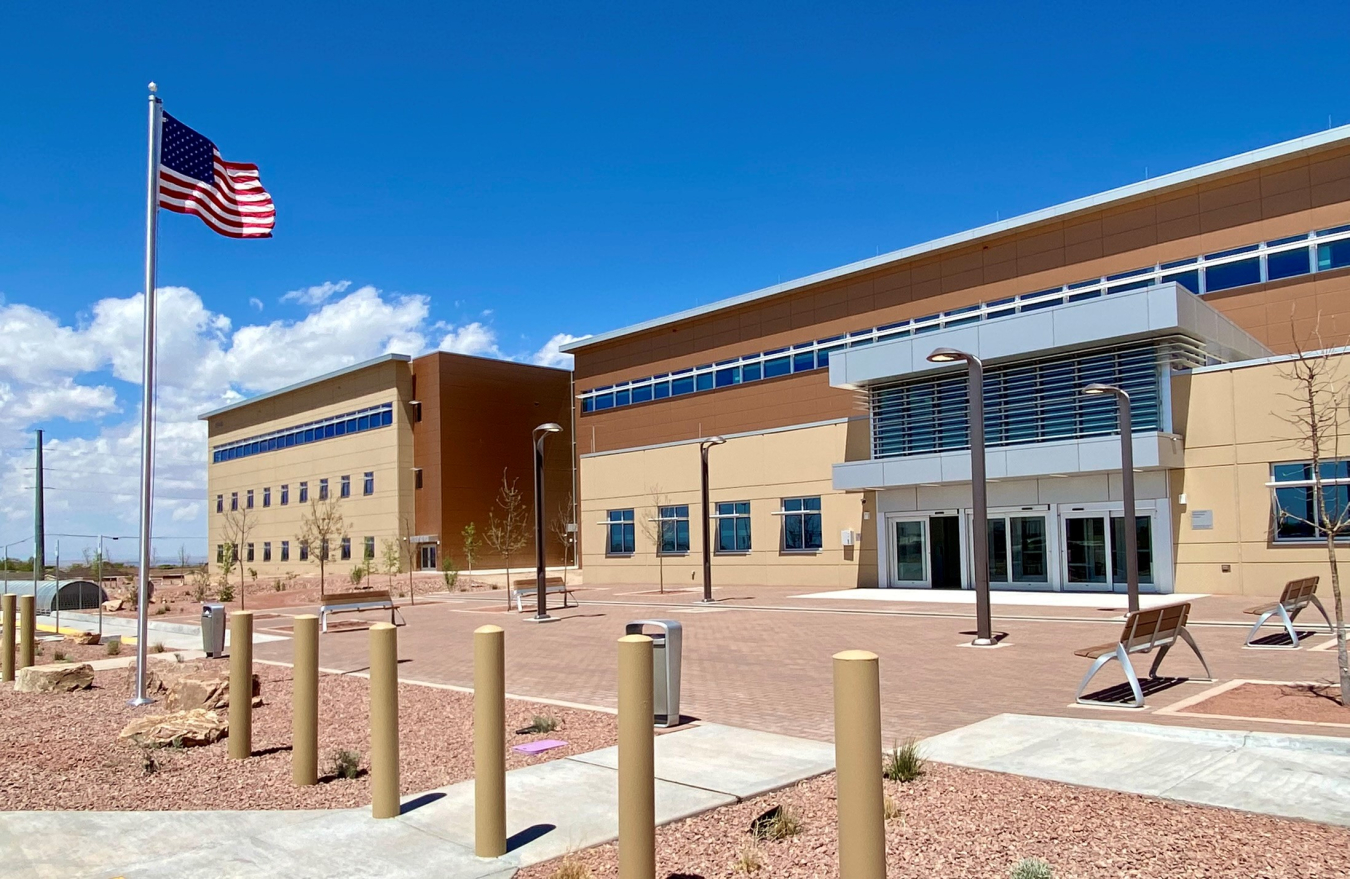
{"x": 666, "y": 652}
{"x": 213, "y": 629}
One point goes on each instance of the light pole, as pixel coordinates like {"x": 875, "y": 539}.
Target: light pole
{"x": 707, "y": 517}
{"x": 541, "y": 591}
{"x": 1126, "y": 424}
{"x": 99, "y": 591}
{"x": 7, "y": 548}
{"x": 984, "y": 628}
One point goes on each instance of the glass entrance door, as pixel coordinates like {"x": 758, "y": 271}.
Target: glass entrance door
{"x": 1094, "y": 554}
{"x": 908, "y": 555}
{"x": 1018, "y": 551}
{"x": 1085, "y": 553}
{"x": 945, "y": 552}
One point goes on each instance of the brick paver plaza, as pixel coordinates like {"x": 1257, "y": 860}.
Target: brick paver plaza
{"x": 760, "y": 658}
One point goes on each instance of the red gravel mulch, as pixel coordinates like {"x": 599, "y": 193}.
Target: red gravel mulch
{"x": 1315, "y": 702}
{"x": 60, "y": 751}
{"x": 967, "y": 824}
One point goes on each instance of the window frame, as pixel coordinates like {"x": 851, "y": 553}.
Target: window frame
{"x": 267, "y": 496}
{"x": 285, "y": 551}
{"x": 802, "y": 513}
{"x": 345, "y": 486}
{"x": 285, "y": 493}
{"x": 368, "y": 548}
{"x": 323, "y": 489}
{"x": 267, "y": 551}
{"x": 345, "y": 550}
{"x": 1338, "y": 484}
{"x": 623, "y": 520}
{"x": 669, "y": 519}
{"x": 304, "y": 492}
{"x": 735, "y": 516}
{"x": 368, "y": 483}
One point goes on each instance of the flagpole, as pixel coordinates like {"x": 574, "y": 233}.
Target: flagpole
{"x": 148, "y": 396}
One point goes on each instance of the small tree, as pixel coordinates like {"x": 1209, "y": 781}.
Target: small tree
{"x": 1318, "y": 398}
{"x": 561, "y": 526}
{"x": 506, "y": 531}
{"x": 184, "y": 560}
{"x": 409, "y": 551}
{"x": 227, "y": 558}
{"x": 238, "y": 526}
{"x": 320, "y": 528}
{"x": 654, "y": 529}
{"x": 471, "y": 543}
{"x": 390, "y": 558}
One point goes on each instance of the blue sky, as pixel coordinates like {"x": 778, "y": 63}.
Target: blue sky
{"x": 490, "y": 176}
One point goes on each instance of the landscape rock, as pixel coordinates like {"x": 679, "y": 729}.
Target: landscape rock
{"x": 210, "y": 690}
{"x": 112, "y": 605}
{"x": 57, "y": 678}
{"x": 186, "y": 729}
{"x": 85, "y": 638}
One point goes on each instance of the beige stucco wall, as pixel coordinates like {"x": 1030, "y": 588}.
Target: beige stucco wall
{"x": 1235, "y": 427}
{"x": 761, "y": 468}
{"x": 387, "y": 451}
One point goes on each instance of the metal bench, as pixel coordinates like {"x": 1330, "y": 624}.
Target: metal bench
{"x": 1144, "y": 631}
{"x": 551, "y": 587}
{"x": 1297, "y": 595}
{"x": 348, "y": 602}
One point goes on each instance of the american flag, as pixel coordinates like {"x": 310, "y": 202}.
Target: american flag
{"x": 194, "y": 179}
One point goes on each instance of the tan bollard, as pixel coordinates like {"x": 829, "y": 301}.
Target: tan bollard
{"x": 241, "y": 685}
{"x": 384, "y": 720}
{"x": 27, "y": 629}
{"x": 637, "y": 765}
{"x": 857, "y": 761}
{"x": 305, "y": 701}
{"x": 7, "y": 637}
{"x": 489, "y": 742}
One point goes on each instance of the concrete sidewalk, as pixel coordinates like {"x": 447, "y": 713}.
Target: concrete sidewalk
{"x": 1291, "y": 776}
{"x": 552, "y": 808}
{"x": 174, "y": 636}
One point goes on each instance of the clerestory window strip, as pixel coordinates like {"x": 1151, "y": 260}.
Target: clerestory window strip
{"x": 359, "y": 421}
{"x": 1313, "y": 252}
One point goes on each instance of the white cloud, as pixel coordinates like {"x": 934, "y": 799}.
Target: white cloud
{"x": 51, "y": 370}
{"x": 549, "y": 355}
{"x": 472, "y": 338}
{"x": 317, "y": 294}
{"x": 255, "y": 302}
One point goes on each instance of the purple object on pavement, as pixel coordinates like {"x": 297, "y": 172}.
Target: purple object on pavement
{"x": 539, "y": 747}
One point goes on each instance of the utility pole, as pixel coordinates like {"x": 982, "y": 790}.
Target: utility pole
{"x": 39, "y": 526}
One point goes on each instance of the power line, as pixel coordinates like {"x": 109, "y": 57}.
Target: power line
{"x": 158, "y": 496}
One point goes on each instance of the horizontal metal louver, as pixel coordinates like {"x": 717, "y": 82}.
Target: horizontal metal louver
{"x": 1027, "y": 401}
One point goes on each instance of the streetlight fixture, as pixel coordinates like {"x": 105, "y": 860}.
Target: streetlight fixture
{"x": 984, "y": 627}
{"x": 707, "y": 518}
{"x": 541, "y": 591}
{"x": 1126, "y": 425}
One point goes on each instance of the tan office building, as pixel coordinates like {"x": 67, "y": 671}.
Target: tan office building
{"x": 846, "y": 459}
{"x": 411, "y": 450}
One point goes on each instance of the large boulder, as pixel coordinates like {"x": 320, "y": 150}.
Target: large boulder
{"x": 113, "y": 605}
{"x": 180, "y": 729}
{"x": 61, "y": 677}
{"x": 85, "y": 638}
{"x": 205, "y": 689}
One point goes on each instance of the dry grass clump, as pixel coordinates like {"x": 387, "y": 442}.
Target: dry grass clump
{"x": 1031, "y": 868}
{"x": 748, "y": 858}
{"x": 904, "y": 763}
{"x": 572, "y": 868}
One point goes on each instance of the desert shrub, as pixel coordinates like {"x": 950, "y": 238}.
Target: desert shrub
{"x": 543, "y": 723}
{"x": 1031, "y": 868}
{"x": 345, "y": 764}
{"x": 450, "y": 573}
{"x": 571, "y": 868}
{"x": 748, "y": 859}
{"x": 113, "y": 647}
{"x": 890, "y": 809}
{"x": 278, "y": 586}
{"x": 253, "y": 574}
{"x": 780, "y": 822}
{"x": 59, "y": 655}
{"x": 201, "y": 586}
{"x": 149, "y": 765}
{"x": 157, "y": 647}
{"x": 357, "y": 575}
{"x": 226, "y": 592}
{"x": 161, "y": 610}
{"x": 904, "y": 763}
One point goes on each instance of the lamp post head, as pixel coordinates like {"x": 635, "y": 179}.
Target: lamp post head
{"x": 712, "y": 441}
{"x": 947, "y": 355}
{"x": 1098, "y": 389}
{"x": 551, "y": 427}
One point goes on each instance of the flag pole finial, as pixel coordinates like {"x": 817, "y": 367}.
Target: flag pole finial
{"x": 153, "y": 88}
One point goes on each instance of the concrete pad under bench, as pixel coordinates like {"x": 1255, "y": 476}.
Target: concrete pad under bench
{"x": 1305, "y": 777}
